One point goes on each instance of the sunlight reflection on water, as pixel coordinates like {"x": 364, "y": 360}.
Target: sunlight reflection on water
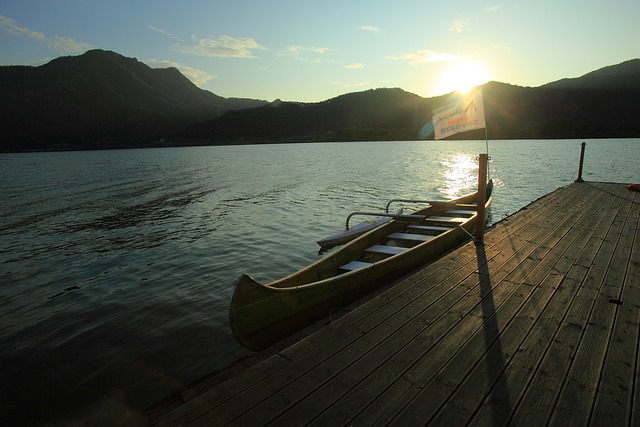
{"x": 460, "y": 174}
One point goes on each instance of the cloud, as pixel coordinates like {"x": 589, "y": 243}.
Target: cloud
{"x": 160, "y": 30}
{"x": 198, "y": 77}
{"x": 354, "y": 66}
{"x": 295, "y": 50}
{"x": 59, "y": 43}
{"x": 371, "y": 28}
{"x": 310, "y": 54}
{"x": 425, "y": 56}
{"x": 221, "y": 47}
{"x": 460, "y": 26}
{"x": 493, "y": 8}
{"x": 68, "y": 45}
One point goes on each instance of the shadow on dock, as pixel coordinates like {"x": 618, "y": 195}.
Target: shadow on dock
{"x": 495, "y": 362}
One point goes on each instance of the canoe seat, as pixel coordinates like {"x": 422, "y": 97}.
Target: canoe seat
{"x": 387, "y": 250}
{"x": 429, "y": 228}
{"x": 355, "y": 265}
{"x": 446, "y": 219}
{"x": 461, "y": 212}
{"x": 411, "y": 237}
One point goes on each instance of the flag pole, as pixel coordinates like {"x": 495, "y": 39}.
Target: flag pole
{"x": 486, "y": 139}
{"x": 483, "y": 175}
{"x": 482, "y": 197}
{"x": 486, "y": 142}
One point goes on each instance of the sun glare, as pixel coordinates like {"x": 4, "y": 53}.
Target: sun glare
{"x": 460, "y": 174}
{"x": 462, "y": 76}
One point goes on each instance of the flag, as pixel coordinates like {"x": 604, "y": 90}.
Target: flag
{"x": 466, "y": 113}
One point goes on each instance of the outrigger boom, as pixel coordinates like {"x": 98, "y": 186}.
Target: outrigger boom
{"x": 400, "y": 216}
{"x": 387, "y": 215}
{"x": 443, "y": 203}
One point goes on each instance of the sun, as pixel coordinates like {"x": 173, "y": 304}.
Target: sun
{"x": 462, "y": 76}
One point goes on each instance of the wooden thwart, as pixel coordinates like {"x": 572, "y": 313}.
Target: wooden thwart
{"x": 435, "y": 228}
{"x": 387, "y": 250}
{"x": 355, "y": 265}
{"x": 411, "y": 237}
{"x": 461, "y": 212}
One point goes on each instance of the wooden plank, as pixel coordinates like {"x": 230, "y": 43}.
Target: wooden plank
{"x": 502, "y": 337}
{"x": 614, "y": 402}
{"x": 445, "y": 219}
{"x": 461, "y": 212}
{"x": 355, "y": 265}
{"x": 538, "y": 338}
{"x": 537, "y": 403}
{"x": 387, "y": 250}
{"x": 545, "y": 207}
{"x": 426, "y": 388}
{"x": 411, "y": 237}
{"x": 370, "y": 362}
{"x": 440, "y": 385}
{"x": 605, "y": 277}
{"x": 429, "y": 228}
{"x": 535, "y": 216}
{"x": 363, "y": 369}
{"x": 634, "y": 283}
{"x": 487, "y": 378}
{"x": 380, "y": 407}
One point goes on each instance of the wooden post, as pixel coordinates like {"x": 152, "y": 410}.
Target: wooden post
{"x": 581, "y": 162}
{"x": 482, "y": 196}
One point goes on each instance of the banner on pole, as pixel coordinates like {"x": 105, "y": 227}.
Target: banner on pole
{"x": 464, "y": 114}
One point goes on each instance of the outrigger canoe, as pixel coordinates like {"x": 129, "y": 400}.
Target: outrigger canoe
{"x": 263, "y": 314}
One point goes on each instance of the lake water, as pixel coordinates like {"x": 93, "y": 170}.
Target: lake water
{"x": 117, "y": 267}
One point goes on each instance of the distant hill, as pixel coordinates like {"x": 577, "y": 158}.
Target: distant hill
{"x": 601, "y": 104}
{"x": 388, "y": 114}
{"x": 586, "y": 107}
{"x": 621, "y": 76}
{"x": 100, "y": 98}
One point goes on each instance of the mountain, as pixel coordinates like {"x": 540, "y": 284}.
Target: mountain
{"x": 621, "y": 76}
{"x": 586, "y": 107}
{"x": 601, "y": 104}
{"x": 100, "y": 98}
{"x": 390, "y": 114}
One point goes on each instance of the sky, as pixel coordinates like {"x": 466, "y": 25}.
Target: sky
{"x": 311, "y": 51}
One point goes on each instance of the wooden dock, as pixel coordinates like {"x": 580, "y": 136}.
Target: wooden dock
{"x": 539, "y": 325}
